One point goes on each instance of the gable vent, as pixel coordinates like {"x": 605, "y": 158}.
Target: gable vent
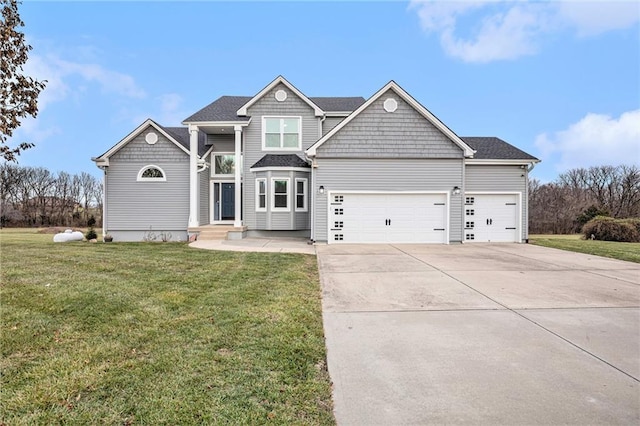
{"x": 390, "y": 105}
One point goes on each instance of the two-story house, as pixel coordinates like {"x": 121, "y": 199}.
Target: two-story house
{"x": 331, "y": 169}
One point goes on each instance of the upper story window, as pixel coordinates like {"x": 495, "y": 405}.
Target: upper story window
{"x": 151, "y": 173}
{"x": 223, "y": 164}
{"x": 281, "y": 133}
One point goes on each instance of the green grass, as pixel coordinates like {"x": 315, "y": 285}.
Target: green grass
{"x": 622, "y": 251}
{"x": 158, "y": 333}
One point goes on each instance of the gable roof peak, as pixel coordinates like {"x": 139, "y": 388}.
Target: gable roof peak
{"x": 242, "y": 111}
{"x": 467, "y": 150}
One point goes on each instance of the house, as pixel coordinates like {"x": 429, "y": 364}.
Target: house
{"x": 331, "y": 169}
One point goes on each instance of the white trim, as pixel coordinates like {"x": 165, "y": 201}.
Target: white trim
{"x": 273, "y": 195}
{"x": 447, "y": 214}
{"x": 146, "y": 179}
{"x": 334, "y": 114}
{"x": 281, "y": 117}
{"x": 257, "y": 190}
{"x": 148, "y": 122}
{"x": 280, "y": 80}
{"x": 520, "y": 207}
{"x": 217, "y": 123}
{"x": 305, "y": 193}
{"x": 490, "y": 162}
{"x": 392, "y": 85}
{"x": 279, "y": 169}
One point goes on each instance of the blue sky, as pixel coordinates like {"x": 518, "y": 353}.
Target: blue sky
{"x": 560, "y": 80}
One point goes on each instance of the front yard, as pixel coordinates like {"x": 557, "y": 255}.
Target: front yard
{"x": 158, "y": 333}
{"x": 622, "y": 251}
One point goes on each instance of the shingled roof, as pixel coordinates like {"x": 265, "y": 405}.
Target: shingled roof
{"x": 225, "y": 107}
{"x": 282, "y": 160}
{"x": 492, "y": 148}
{"x": 181, "y": 135}
{"x": 338, "y": 104}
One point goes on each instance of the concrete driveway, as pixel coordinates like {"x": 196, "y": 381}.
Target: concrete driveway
{"x": 480, "y": 334}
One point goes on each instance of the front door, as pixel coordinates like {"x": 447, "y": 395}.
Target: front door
{"x": 228, "y": 201}
{"x": 223, "y": 205}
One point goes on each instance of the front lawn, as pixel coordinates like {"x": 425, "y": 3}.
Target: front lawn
{"x": 158, "y": 333}
{"x": 621, "y": 251}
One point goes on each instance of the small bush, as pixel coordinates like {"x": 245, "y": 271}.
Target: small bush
{"x": 609, "y": 229}
{"x": 91, "y": 234}
{"x": 91, "y": 222}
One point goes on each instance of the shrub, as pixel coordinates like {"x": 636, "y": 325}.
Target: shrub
{"x": 91, "y": 222}
{"x": 91, "y": 234}
{"x": 589, "y": 214}
{"x": 609, "y": 229}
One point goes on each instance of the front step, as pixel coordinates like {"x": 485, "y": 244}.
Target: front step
{"x": 215, "y": 232}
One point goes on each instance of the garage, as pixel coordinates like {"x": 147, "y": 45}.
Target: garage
{"x": 492, "y": 218}
{"x": 388, "y": 218}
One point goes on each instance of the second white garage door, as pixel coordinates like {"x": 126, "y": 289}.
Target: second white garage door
{"x": 492, "y": 218}
{"x": 388, "y": 218}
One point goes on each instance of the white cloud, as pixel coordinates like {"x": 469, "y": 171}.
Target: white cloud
{"x": 62, "y": 79}
{"x": 511, "y": 29}
{"x": 596, "y": 17}
{"x": 166, "y": 109}
{"x": 596, "y": 139}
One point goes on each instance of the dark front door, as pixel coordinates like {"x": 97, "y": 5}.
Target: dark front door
{"x": 228, "y": 201}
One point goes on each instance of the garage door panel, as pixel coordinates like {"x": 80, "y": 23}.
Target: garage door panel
{"x": 491, "y": 218}
{"x": 388, "y": 218}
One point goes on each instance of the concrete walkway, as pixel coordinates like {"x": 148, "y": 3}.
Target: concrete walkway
{"x": 280, "y": 245}
{"x": 480, "y": 334}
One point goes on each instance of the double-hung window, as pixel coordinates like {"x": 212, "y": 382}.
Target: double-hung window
{"x": 280, "y": 194}
{"x": 281, "y": 133}
{"x": 301, "y": 195}
{"x": 261, "y": 195}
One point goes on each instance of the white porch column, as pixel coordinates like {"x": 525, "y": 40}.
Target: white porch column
{"x": 194, "y": 211}
{"x": 238, "y": 185}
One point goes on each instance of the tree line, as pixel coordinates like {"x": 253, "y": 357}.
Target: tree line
{"x": 34, "y": 196}
{"x": 576, "y": 196}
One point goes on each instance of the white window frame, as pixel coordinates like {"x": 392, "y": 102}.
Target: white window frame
{"x": 266, "y": 200}
{"x": 281, "y": 148}
{"x": 305, "y": 193}
{"x": 153, "y": 179}
{"x": 273, "y": 195}
{"x": 213, "y": 164}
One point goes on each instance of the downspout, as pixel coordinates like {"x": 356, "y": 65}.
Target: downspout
{"x": 104, "y": 202}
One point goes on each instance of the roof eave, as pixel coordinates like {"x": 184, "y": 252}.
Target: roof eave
{"x": 502, "y": 161}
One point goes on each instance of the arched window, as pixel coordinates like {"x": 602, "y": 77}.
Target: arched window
{"x": 151, "y": 173}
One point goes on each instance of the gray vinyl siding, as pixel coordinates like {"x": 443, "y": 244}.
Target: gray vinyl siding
{"x": 487, "y": 178}
{"x": 147, "y": 206}
{"x": 281, "y": 221}
{"x": 329, "y": 123}
{"x": 203, "y": 176}
{"x": 375, "y": 133}
{"x": 222, "y": 143}
{"x": 252, "y": 142}
{"x": 389, "y": 175}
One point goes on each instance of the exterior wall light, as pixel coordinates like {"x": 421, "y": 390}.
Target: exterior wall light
{"x": 456, "y": 190}
{"x": 321, "y": 189}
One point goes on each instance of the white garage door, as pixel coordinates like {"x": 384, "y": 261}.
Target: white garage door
{"x": 491, "y": 218}
{"x": 388, "y": 218}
